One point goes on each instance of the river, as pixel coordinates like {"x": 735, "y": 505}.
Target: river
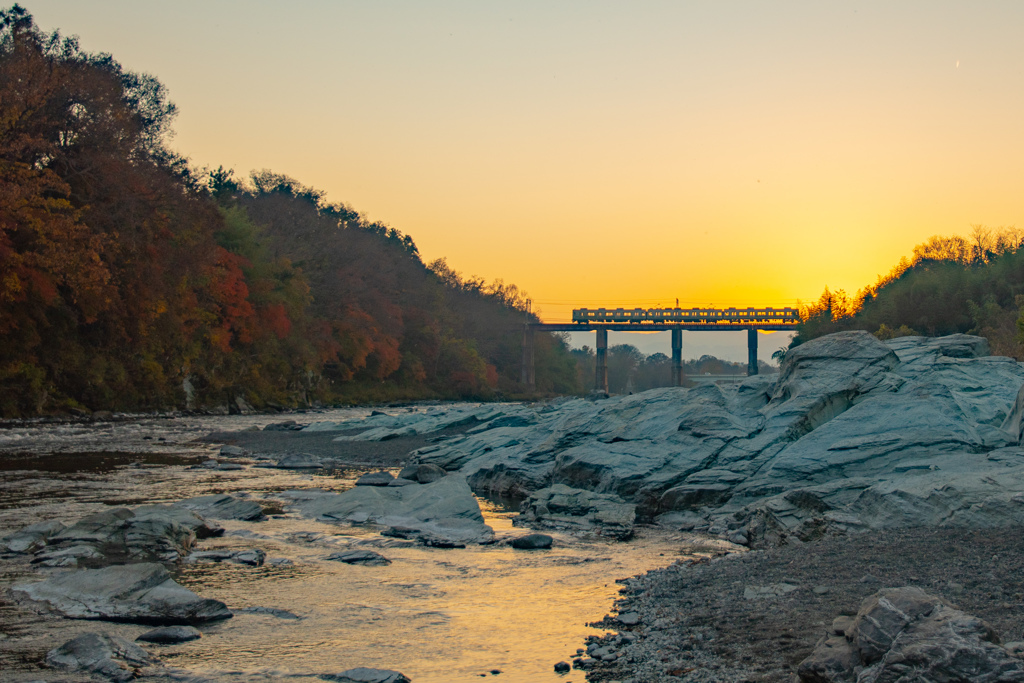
{"x": 434, "y": 614}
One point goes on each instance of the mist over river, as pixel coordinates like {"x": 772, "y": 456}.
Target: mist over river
{"x": 434, "y": 614}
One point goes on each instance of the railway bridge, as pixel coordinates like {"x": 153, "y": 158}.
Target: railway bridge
{"x": 601, "y": 320}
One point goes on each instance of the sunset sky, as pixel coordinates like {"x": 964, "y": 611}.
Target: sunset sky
{"x": 725, "y": 153}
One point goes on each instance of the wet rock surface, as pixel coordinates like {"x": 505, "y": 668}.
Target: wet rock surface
{"x": 365, "y": 675}
{"x": 565, "y": 508}
{"x": 142, "y": 593}
{"x": 445, "y": 510}
{"x": 171, "y": 634}
{"x": 223, "y": 506}
{"x": 99, "y": 654}
{"x": 153, "y": 532}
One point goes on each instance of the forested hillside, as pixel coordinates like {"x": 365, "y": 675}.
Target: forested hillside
{"x": 951, "y": 284}
{"x": 131, "y": 280}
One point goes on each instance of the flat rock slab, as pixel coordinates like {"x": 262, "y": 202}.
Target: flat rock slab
{"x": 364, "y": 557}
{"x": 775, "y": 590}
{"x": 375, "y": 479}
{"x": 31, "y": 538}
{"x": 254, "y": 557}
{"x": 97, "y": 653}
{"x": 267, "y": 611}
{"x": 223, "y": 506}
{"x": 141, "y": 593}
{"x": 364, "y": 675}
{"x": 171, "y": 634}
{"x": 444, "y": 510}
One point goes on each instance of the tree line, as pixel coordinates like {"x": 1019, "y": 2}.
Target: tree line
{"x": 956, "y": 284}
{"x": 131, "y": 280}
{"x": 630, "y": 371}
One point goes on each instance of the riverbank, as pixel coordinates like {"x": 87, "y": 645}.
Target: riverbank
{"x": 755, "y": 616}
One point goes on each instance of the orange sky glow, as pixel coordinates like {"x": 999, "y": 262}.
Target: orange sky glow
{"x": 733, "y": 154}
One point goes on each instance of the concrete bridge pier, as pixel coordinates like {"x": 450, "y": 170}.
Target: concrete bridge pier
{"x": 677, "y": 358}
{"x": 751, "y": 352}
{"x": 601, "y": 364}
{"x": 528, "y": 376}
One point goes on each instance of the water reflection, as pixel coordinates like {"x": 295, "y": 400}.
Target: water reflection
{"x": 434, "y": 614}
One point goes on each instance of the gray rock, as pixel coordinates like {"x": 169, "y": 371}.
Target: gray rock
{"x": 364, "y": 557}
{"x": 223, "y": 506}
{"x": 142, "y": 593}
{"x": 364, "y": 675}
{"x": 286, "y": 426}
{"x": 399, "y": 481}
{"x": 904, "y": 634}
{"x": 422, "y": 473}
{"x": 445, "y": 509}
{"x": 32, "y": 537}
{"x": 375, "y": 479}
{"x": 563, "y": 507}
{"x": 532, "y": 542}
{"x": 774, "y": 590}
{"x": 171, "y": 634}
{"x": 152, "y": 532}
{"x": 231, "y": 451}
{"x": 628, "y": 619}
{"x": 852, "y": 434}
{"x": 267, "y": 611}
{"x": 254, "y": 557}
{"x": 98, "y": 653}
{"x": 562, "y": 668}
{"x": 299, "y": 461}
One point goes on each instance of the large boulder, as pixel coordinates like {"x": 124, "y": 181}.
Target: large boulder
{"x": 152, "y": 532}
{"x": 903, "y": 635}
{"x": 444, "y": 509}
{"x": 140, "y": 593}
{"x": 100, "y": 654}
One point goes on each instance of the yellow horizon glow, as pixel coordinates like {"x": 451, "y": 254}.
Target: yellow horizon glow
{"x": 600, "y": 153}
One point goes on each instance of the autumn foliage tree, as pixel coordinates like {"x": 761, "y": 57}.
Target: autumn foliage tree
{"x": 968, "y": 284}
{"x": 130, "y": 280}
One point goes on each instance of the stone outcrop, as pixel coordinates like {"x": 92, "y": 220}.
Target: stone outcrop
{"x": 853, "y": 433}
{"x": 141, "y": 593}
{"x": 443, "y": 510}
{"x": 575, "y": 510}
{"x": 905, "y": 634}
{"x": 152, "y": 532}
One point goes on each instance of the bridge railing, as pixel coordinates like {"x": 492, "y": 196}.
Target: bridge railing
{"x": 724, "y": 316}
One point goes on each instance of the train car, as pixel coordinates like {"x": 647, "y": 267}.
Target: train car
{"x": 723, "y": 316}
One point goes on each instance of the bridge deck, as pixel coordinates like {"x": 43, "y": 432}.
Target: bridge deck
{"x": 660, "y": 327}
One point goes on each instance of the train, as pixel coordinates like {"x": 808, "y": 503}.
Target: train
{"x": 639, "y": 316}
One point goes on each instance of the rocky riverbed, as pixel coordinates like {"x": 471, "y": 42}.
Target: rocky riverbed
{"x": 779, "y": 517}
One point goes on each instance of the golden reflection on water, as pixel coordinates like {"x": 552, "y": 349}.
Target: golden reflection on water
{"x": 434, "y": 614}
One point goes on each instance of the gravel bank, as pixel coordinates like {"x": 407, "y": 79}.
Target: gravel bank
{"x": 707, "y": 621}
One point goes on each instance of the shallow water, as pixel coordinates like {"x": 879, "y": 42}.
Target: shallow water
{"x": 434, "y": 614}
